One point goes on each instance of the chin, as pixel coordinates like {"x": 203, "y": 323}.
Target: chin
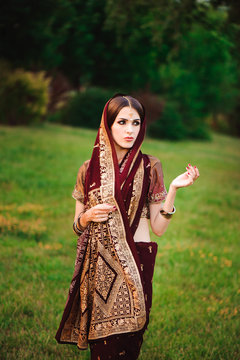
{"x": 128, "y": 146}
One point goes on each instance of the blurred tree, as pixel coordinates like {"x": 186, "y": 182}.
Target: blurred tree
{"x": 192, "y": 64}
{"x": 232, "y": 28}
{"x": 24, "y": 96}
{"x": 101, "y": 42}
{"x": 32, "y": 32}
{"x": 179, "y": 49}
{"x": 201, "y": 78}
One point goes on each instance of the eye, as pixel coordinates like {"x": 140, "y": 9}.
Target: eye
{"x": 136, "y": 122}
{"x": 121, "y": 122}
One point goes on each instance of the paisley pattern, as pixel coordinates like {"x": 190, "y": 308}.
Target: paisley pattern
{"x": 106, "y": 295}
{"x": 110, "y": 274}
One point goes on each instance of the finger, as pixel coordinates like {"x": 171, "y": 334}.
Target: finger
{"x": 191, "y": 169}
{"x": 197, "y": 171}
{"x": 99, "y": 211}
{"x": 106, "y": 209}
{"x": 189, "y": 180}
{"x": 101, "y": 218}
{"x": 108, "y": 206}
{"x": 190, "y": 174}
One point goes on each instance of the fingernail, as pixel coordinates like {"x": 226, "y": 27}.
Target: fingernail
{"x": 189, "y": 164}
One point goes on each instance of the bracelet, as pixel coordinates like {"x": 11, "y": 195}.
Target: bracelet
{"x": 76, "y": 230}
{"x": 77, "y": 227}
{"x": 168, "y": 215}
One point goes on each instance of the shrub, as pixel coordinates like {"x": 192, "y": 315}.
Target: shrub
{"x": 85, "y": 108}
{"x": 23, "y": 96}
{"x": 169, "y": 125}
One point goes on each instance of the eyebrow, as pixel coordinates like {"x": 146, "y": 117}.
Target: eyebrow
{"x": 129, "y": 119}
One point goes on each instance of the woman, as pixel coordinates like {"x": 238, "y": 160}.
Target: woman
{"x": 116, "y": 192}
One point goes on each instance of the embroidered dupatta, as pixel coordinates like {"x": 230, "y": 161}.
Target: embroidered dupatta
{"x": 106, "y": 293}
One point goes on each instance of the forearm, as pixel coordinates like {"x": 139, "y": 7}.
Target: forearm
{"x": 85, "y": 219}
{"x": 169, "y": 201}
{"x": 78, "y": 228}
{"x": 81, "y": 219}
{"x": 160, "y": 223}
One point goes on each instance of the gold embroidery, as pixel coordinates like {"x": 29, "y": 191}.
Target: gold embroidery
{"x": 116, "y": 301}
{"x": 136, "y": 193}
{"x": 124, "y": 163}
{"x": 145, "y": 211}
{"x": 158, "y": 197}
{"x": 77, "y": 195}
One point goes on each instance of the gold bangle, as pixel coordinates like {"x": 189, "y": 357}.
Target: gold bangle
{"x": 168, "y": 215}
{"x": 76, "y": 230}
{"x": 79, "y": 226}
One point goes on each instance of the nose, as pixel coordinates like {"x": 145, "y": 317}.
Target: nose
{"x": 129, "y": 129}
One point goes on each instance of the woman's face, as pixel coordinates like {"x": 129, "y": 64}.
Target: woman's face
{"x": 126, "y": 127}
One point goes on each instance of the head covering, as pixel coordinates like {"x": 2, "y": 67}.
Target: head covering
{"x": 106, "y": 296}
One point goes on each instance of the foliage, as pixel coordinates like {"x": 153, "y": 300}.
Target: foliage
{"x": 195, "y": 311}
{"x": 23, "y": 96}
{"x": 185, "y": 51}
{"x": 233, "y": 29}
{"x": 170, "y": 125}
{"x": 201, "y": 80}
{"x": 85, "y": 108}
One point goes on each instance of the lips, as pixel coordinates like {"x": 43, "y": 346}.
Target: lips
{"x": 129, "y": 138}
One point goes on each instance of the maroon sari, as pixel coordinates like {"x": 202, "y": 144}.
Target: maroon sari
{"x": 110, "y": 294}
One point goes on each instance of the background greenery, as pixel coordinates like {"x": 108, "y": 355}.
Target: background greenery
{"x": 195, "y": 313}
{"x": 60, "y": 61}
{"x": 185, "y": 54}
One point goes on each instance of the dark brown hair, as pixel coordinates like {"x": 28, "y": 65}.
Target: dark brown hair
{"x": 118, "y": 102}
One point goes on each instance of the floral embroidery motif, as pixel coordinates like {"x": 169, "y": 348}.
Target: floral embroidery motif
{"x": 77, "y": 195}
{"x": 110, "y": 284}
{"x": 158, "y": 197}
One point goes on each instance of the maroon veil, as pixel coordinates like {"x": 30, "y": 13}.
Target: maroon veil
{"x": 110, "y": 294}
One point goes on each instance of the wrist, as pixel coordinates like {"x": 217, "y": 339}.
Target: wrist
{"x": 84, "y": 219}
{"x": 168, "y": 214}
{"x": 78, "y": 228}
{"x": 173, "y": 188}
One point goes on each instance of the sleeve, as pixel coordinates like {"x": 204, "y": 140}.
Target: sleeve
{"x": 157, "y": 191}
{"x": 78, "y": 191}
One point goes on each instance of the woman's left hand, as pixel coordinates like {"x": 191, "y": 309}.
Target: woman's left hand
{"x": 187, "y": 178}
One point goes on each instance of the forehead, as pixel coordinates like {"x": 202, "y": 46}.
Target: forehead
{"x": 128, "y": 113}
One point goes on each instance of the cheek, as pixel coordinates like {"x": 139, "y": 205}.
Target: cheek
{"x": 115, "y": 131}
{"x": 137, "y": 130}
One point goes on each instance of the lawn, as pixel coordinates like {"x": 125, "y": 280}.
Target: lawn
{"x": 196, "y": 307}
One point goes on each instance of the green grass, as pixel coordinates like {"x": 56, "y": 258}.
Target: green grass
{"x": 195, "y": 313}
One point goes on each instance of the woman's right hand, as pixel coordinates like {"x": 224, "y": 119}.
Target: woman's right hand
{"x": 98, "y": 213}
